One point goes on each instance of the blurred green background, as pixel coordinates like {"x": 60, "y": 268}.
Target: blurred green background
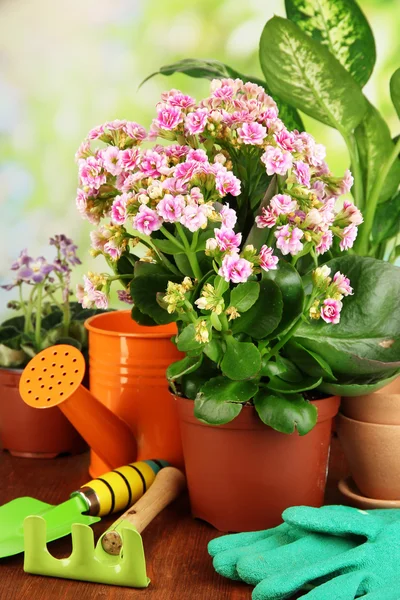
{"x": 67, "y": 66}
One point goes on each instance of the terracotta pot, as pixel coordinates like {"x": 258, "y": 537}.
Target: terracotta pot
{"x": 372, "y": 451}
{"x": 242, "y": 475}
{"x": 127, "y": 364}
{"x": 381, "y": 407}
{"x": 31, "y": 433}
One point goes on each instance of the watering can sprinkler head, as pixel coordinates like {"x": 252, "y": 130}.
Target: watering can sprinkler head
{"x": 54, "y": 378}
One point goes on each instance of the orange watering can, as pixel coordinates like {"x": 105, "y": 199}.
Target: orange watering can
{"x": 130, "y": 415}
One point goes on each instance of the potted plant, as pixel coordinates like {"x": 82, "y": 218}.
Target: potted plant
{"x": 47, "y": 317}
{"x": 213, "y": 231}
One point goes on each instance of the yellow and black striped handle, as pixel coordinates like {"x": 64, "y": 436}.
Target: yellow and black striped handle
{"x": 120, "y": 488}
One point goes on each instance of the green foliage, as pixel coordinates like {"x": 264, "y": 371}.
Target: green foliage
{"x": 245, "y": 295}
{"x": 241, "y": 360}
{"x": 144, "y": 290}
{"x": 395, "y": 90}
{"x": 265, "y": 315}
{"x": 285, "y": 414}
{"x": 220, "y": 400}
{"x": 290, "y": 285}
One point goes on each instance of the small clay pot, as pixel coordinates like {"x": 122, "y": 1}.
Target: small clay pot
{"x": 31, "y": 433}
{"x": 372, "y": 451}
{"x": 381, "y": 407}
{"x": 241, "y": 476}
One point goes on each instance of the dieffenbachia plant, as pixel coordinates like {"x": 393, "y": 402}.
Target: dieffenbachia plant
{"x": 317, "y": 61}
{"x": 208, "y": 230}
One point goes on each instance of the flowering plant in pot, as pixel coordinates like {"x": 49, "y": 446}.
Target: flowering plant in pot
{"x": 47, "y": 317}
{"x": 214, "y": 231}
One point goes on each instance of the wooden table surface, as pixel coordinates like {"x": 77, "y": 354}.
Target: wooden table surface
{"x": 175, "y": 544}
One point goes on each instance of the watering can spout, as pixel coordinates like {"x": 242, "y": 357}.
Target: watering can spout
{"x": 53, "y": 378}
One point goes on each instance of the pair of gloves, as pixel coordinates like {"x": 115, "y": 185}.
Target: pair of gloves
{"x": 337, "y": 552}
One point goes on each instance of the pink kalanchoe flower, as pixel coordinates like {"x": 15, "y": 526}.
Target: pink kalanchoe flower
{"x": 96, "y": 132}
{"x": 324, "y": 243}
{"x": 197, "y": 155}
{"x": 83, "y": 151}
{"x": 135, "y": 131}
{"x": 182, "y": 100}
{"x": 168, "y": 117}
{"x": 235, "y": 269}
{"x": 119, "y": 211}
{"x": 227, "y": 239}
{"x": 347, "y": 182}
{"x": 195, "y": 122}
{"x": 196, "y": 195}
{"x": 99, "y": 237}
{"x": 330, "y": 310}
{"x": 225, "y": 93}
{"x": 252, "y": 133}
{"x": 175, "y": 185}
{"x": 268, "y": 261}
{"x": 81, "y": 202}
{"x": 282, "y": 204}
{"x": 302, "y": 173}
{"x": 327, "y": 212}
{"x": 227, "y": 183}
{"x": 288, "y": 240}
{"x": 194, "y": 217}
{"x": 153, "y": 163}
{"x": 91, "y": 173}
{"x": 176, "y": 151}
{"x": 112, "y": 249}
{"x": 266, "y": 219}
{"x": 228, "y": 216}
{"x": 348, "y": 235}
{"x": 269, "y": 116}
{"x": 115, "y": 125}
{"x": 130, "y": 158}
{"x": 89, "y": 297}
{"x": 124, "y": 296}
{"x": 147, "y": 220}
{"x": 276, "y": 161}
{"x": 111, "y": 157}
{"x": 352, "y": 213}
{"x": 285, "y": 139}
{"x": 343, "y": 284}
{"x": 318, "y": 187}
{"x": 170, "y": 208}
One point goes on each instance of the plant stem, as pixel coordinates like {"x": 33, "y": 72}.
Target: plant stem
{"x": 192, "y": 258}
{"x": 194, "y": 240}
{"x": 365, "y": 229}
{"x": 38, "y": 321}
{"x": 171, "y": 238}
{"x": 283, "y": 341}
{"x": 356, "y": 169}
{"x": 28, "y": 319}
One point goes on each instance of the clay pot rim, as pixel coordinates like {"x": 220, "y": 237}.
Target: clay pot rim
{"x": 12, "y": 369}
{"x": 366, "y": 423}
{"x": 248, "y": 417}
{"x": 349, "y": 489}
{"x": 148, "y": 335}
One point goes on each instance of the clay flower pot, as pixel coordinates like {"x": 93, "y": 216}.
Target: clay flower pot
{"x": 127, "y": 366}
{"x": 242, "y": 475}
{"x": 31, "y": 433}
{"x": 369, "y": 431}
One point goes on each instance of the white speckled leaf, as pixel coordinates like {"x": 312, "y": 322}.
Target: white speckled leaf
{"x": 305, "y": 74}
{"x": 342, "y": 27}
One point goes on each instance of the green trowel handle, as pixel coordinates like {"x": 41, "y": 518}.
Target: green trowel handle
{"x": 119, "y": 489}
{"x": 169, "y": 483}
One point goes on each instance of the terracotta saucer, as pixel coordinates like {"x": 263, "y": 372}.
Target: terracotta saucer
{"x": 349, "y": 489}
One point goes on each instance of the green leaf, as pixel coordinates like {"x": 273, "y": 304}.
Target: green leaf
{"x": 213, "y": 69}
{"x": 167, "y": 246}
{"x": 366, "y": 341}
{"x": 342, "y": 27}
{"x": 290, "y": 284}
{"x": 264, "y": 316}
{"x": 10, "y": 337}
{"x": 270, "y": 368}
{"x": 145, "y": 268}
{"x": 277, "y": 384}
{"x": 290, "y": 373}
{"x": 144, "y": 290}
{"x": 17, "y": 322}
{"x": 395, "y": 90}
{"x": 52, "y": 320}
{"x": 386, "y": 223}
{"x": 191, "y": 383}
{"x": 355, "y": 389}
{"x": 215, "y": 412}
{"x": 375, "y": 145}
{"x": 215, "y": 321}
{"x": 219, "y": 400}
{"x": 306, "y": 75}
{"x": 141, "y": 318}
{"x": 184, "y": 367}
{"x": 186, "y": 341}
{"x": 214, "y": 350}
{"x": 286, "y": 414}
{"x": 242, "y": 360}
{"x": 203, "y": 237}
{"x": 12, "y": 359}
{"x": 308, "y": 361}
{"x": 244, "y": 295}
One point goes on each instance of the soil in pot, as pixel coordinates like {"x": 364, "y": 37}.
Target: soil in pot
{"x": 243, "y": 475}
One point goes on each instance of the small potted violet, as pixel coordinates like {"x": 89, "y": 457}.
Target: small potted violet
{"x": 46, "y": 316}
{"x": 232, "y": 229}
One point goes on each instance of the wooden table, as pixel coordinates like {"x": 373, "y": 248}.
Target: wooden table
{"x": 175, "y": 544}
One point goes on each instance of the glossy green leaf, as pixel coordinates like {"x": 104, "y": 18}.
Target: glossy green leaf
{"x": 52, "y": 320}
{"x": 264, "y": 316}
{"x": 375, "y": 145}
{"x": 277, "y": 384}
{"x": 186, "y": 341}
{"x": 242, "y": 360}
{"x": 395, "y": 90}
{"x": 213, "y": 69}
{"x": 342, "y": 27}
{"x": 141, "y": 318}
{"x": 144, "y": 290}
{"x": 270, "y": 368}
{"x": 290, "y": 372}
{"x": 214, "y": 350}
{"x": 219, "y": 400}
{"x": 306, "y": 75}
{"x": 183, "y": 367}
{"x": 290, "y": 284}
{"x": 366, "y": 341}
{"x": 386, "y": 220}
{"x": 17, "y": 322}
{"x": 308, "y": 361}
{"x": 354, "y": 389}
{"x": 285, "y": 413}
{"x": 244, "y": 295}
{"x": 10, "y": 337}
{"x": 166, "y": 246}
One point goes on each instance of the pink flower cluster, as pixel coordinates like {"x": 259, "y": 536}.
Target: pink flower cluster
{"x": 329, "y": 294}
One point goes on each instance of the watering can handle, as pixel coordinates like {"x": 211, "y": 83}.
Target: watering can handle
{"x": 168, "y": 485}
